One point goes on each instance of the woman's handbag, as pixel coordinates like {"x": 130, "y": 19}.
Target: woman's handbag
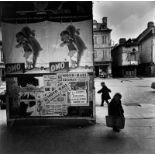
{"x": 117, "y": 121}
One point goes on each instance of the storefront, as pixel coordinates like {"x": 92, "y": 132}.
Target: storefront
{"x": 129, "y": 71}
{"x": 103, "y": 69}
{"x": 49, "y": 67}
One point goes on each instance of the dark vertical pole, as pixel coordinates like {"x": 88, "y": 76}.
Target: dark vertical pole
{"x": 94, "y": 109}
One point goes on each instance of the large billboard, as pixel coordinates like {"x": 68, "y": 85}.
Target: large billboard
{"x": 38, "y": 45}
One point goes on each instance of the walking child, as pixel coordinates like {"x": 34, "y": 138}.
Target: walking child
{"x": 115, "y": 109}
{"x": 104, "y": 94}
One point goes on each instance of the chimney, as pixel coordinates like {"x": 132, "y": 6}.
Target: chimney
{"x": 150, "y": 24}
{"x": 104, "y": 22}
{"x": 122, "y": 40}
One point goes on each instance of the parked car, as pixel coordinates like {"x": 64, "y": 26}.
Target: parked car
{"x": 153, "y": 85}
{"x": 3, "y": 96}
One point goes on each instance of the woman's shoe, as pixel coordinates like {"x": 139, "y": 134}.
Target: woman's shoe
{"x": 116, "y": 130}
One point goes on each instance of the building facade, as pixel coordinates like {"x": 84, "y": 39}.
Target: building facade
{"x": 147, "y": 51}
{"x": 102, "y": 48}
{"x": 125, "y": 58}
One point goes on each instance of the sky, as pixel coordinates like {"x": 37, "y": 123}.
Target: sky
{"x": 127, "y": 19}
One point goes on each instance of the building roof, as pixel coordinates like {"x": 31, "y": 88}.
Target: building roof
{"x": 100, "y": 27}
{"x": 149, "y": 30}
{"x": 128, "y": 43}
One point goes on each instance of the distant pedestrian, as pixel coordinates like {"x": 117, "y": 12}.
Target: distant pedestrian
{"x": 115, "y": 108}
{"x": 105, "y": 93}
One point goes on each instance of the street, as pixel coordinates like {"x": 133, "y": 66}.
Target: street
{"x": 137, "y": 96}
{"x": 134, "y": 91}
{"x": 138, "y": 136}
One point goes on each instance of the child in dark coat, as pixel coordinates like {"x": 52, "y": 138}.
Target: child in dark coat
{"x": 115, "y": 108}
{"x": 105, "y": 94}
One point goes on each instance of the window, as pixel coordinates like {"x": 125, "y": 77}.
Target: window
{"x": 132, "y": 56}
{"x": 2, "y": 57}
{"x": 95, "y": 54}
{"x": 104, "y": 39}
{"x": 95, "y": 39}
{"x": 94, "y": 26}
{"x": 104, "y": 54}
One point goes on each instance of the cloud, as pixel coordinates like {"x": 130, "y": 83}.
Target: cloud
{"x": 126, "y": 19}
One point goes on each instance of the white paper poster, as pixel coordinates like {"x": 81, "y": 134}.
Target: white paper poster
{"x": 48, "y": 46}
{"x": 78, "y": 97}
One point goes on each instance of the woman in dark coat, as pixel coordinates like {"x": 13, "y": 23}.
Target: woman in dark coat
{"x": 105, "y": 94}
{"x": 115, "y": 108}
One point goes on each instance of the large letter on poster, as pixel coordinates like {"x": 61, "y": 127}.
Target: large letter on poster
{"x": 59, "y": 66}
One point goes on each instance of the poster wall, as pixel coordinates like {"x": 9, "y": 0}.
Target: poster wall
{"x": 40, "y": 45}
{"x": 48, "y": 95}
{"x": 48, "y": 67}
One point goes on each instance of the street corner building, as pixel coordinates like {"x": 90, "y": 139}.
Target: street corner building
{"x": 146, "y": 49}
{"x": 135, "y": 57}
{"x": 125, "y": 58}
{"x": 102, "y": 48}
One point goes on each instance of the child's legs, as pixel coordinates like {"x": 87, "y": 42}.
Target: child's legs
{"x": 73, "y": 57}
{"x": 28, "y": 65}
{"x": 73, "y": 63}
{"x": 102, "y": 101}
{"x": 34, "y": 61}
{"x": 107, "y": 101}
{"x": 79, "y": 59}
{"x": 29, "y": 59}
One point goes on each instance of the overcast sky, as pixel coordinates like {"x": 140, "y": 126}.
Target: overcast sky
{"x": 127, "y": 19}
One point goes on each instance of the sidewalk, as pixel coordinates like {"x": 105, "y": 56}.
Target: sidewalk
{"x": 138, "y": 136}
{"x": 131, "y": 111}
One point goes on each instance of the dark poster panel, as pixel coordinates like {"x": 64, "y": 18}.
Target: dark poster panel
{"x": 15, "y": 68}
{"x": 59, "y": 66}
{"x": 38, "y": 11}
{"x": 49, "y": 95}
